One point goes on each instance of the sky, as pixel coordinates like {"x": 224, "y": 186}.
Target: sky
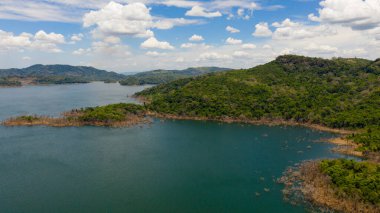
{"x": 141, "y": 35}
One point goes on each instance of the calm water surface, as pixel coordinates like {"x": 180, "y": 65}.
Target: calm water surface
{"x": 168, "y": 166}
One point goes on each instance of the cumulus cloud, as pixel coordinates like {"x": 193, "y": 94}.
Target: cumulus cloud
{"x": 357, "y": 14}
{"x": 211, "y": 56}
{"x": 321, "y": 49}
{"x": 232, "y": 29}
{"x": 196, "y": 37}
{"x": 154, "y": 54}
{"x": 289, "y": 30}
{"x": 153, "y": 43}
{"x": 262, "y": 30}
{"x": 202, "y": 12}
{"x": 241, "y": 54}
{"x": 81, "y": 51}
{"x": 248, "y": 46}
{"x": 117, "y": 19}
{"x": 233, "y": 41}
{"x": 168, "y": 23}
{"x": 77, "y": 37}
{"x": 42, "y": 41}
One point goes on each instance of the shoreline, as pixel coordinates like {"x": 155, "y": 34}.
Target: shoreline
{"x": 307, "y": 185}
{"x": 274, "y": 122}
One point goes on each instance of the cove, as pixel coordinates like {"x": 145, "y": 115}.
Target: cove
{"x": 167, "y": 166}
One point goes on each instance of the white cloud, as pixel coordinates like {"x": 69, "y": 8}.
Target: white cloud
{"x": 33, "y": 10}
{"x": 8, "y": 41}
{"x": 81, "y": 51}
{"x": 77, "y": 37}
{"x": 262, "y": 30}
{"x": 188, "y": 45}
{"x": 103, "y": 49}
{"x": 211, "y": 56}
{"x": 267, "y": 46}
{"x": 241, "y": 54}
{"x": 321, "y": 49}
{"x": 232, "y": 29}
{"x": 201, "y": 12}
{"x": 42, "y": 36}
{"x": 248, "y": 46}
{"x": 153, "y": 43}
{"x": 286, "y": 23}
{"x": 357, "y": 14}
{"x": 112, "y": 39}
{"x": 181, "y": 3}
{"x": 168, "y": 23}
{"x": 196, "y": 37}
{"x": 233, "y": 41}
{"x": 154, "y": 53}
{"x": 116, "y": 19}
{"x": 42, "y": 41}
{"x": 26, "y": 58}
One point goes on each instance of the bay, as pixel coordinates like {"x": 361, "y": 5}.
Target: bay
{"x": 166, "y": 166}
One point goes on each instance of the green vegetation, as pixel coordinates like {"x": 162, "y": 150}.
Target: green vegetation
{"x": 369, "y": 139}
{"x": 9, "y": 83}
{"x": 110, "y": 113}
{"x": 338, "y": 93}
{"x": 361, "y": 179}
{"x": 114, "y": 115}
{"x": 60, "y": 80}
{"x": 61, "y": 74}
{"x": 165, "y": 76}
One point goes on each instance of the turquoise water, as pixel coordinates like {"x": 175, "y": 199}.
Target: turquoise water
{"x": 167, "y": 166}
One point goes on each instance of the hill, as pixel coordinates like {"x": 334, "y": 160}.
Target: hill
{"x": 338, "y": 93}
{"x": 165, "y": 76}
{"x": 60, "y": 74}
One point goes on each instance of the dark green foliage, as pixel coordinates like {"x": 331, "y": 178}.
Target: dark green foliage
{"x": 354, "y": 179}
{"x": 369, "y": 139}
{"x": 9, "y": 83}
{"x": 338, "y": 93}
{"x": 60, "y": 80}
{"x": 110, "y": 113}
{"x": 165, "y": 76}
{"x": 62, "y": 71}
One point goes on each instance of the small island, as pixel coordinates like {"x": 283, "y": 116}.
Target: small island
{"x": 114, "y": 115}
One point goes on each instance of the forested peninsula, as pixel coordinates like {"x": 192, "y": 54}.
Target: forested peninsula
{"x": 340, "y": 94}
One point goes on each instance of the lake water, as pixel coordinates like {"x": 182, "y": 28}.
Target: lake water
{"x": 167, "y": 166}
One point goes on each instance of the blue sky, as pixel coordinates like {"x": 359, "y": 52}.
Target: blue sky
{"x": 139, "y": 35}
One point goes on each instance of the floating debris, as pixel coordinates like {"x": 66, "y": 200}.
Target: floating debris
{"x": 266, "y": 190}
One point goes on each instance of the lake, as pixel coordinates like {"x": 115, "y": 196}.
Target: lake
{"x": 166, "y": 166}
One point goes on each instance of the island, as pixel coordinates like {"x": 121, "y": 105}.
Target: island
{"x": 114, "y": 115}
{"x": 340, "y": 95}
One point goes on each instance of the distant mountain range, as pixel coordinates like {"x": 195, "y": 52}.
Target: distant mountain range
{"x": 165, "y": 76}
{"x": 56, "y": 74}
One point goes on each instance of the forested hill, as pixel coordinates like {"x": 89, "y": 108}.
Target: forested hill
{"x": 339, "y": 93}
{"x": 61, "y": 72}
{"x": 165, "y": 76}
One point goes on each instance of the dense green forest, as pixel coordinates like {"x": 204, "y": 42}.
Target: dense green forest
{"x": 338, "y": 93}
{"x": 354, "y": 179}
{"x": 5, "y": 82}
{"x": 60, "y": 80}
{"x": 110, "y": 113}
{"x": 60, "y": 74}
{"x": 165, "y": 76}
